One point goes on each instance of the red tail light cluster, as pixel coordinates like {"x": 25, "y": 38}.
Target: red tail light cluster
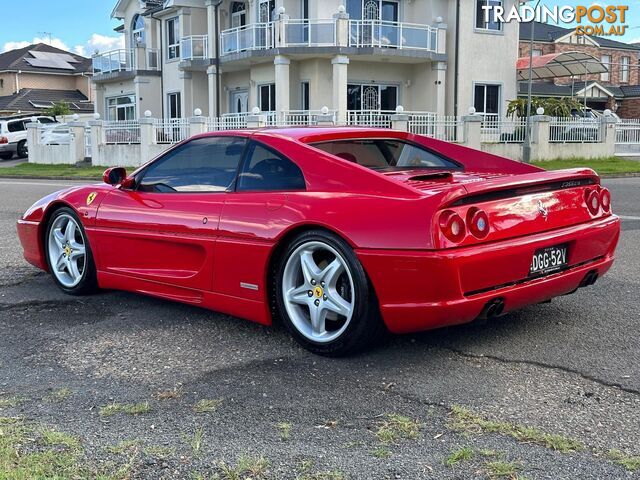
{"x": 4, "y": 140}
{"x": 598, "y": 199}
{"x": 455, "y": 228}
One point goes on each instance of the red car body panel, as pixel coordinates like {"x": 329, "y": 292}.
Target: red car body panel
{"x": 206, "y": 248}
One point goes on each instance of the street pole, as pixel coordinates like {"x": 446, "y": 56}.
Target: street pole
{"x": 526, "y": 147}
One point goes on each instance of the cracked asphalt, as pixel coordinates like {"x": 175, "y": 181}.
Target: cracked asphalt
{"x": 571, "y": 368}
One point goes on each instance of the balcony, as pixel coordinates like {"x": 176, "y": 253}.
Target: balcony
{"x": 126, "y": 60}
{"x": 290, "y": 33}
{"x": 195, "y": 47}
{"x": 398, "y": 35}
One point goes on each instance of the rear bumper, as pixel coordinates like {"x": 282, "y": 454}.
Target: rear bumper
{"x": 8, "y": 147}
{"x": 421, "y": 290}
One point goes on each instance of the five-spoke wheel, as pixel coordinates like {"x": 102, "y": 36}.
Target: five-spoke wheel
{"x": 68, "y": 253}
{"x": 323, "y": 295}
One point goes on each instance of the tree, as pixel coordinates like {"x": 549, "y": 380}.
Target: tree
{"x": 58, "y": 109}
{"x": 554, "y": 107}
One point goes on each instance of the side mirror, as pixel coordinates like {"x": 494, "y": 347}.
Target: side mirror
{"x": 116, "y": 176}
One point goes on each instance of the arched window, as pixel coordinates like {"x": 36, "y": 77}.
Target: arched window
{"x": 238, "y": 14}
{"x": 137, "y": 31}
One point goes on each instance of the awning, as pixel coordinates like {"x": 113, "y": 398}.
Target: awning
{"x": 566, "y": 64}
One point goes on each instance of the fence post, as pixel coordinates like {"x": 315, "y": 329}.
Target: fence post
{"x": 77, "y": 145}
{"x": 325, "y": 119}
{"x": 342, "y": 27}
{"x": 97, "y": 140}
{"x": 147, "y": 139}
{"x": 256, "y": 119}
{"x": 608, "y": 135}
{"x": 540, "y": 137}
{"x": 472, "y": 128}
{"x": 197, "y": 125}
{"x": 400, "y": 121}
{"x": 34, "y": 131}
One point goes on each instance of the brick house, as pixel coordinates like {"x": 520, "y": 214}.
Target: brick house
{"x": 618, "y": 89}
{"x": 34, "y": 77}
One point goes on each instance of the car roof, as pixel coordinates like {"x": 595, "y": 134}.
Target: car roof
{"x": 314, "y": 134}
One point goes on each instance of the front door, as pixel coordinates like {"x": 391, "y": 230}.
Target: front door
{"x": 164, "y": 230}
{"x": 239, "y": 101}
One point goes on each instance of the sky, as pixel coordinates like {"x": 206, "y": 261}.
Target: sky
{"x": 84, "y": 26}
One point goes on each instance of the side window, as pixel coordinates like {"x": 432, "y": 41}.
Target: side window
{"x": 15, "y": 126}
{"x": 267, "y": 170}
{"x": 45, "y": 120}
{"x": 202, "y": 165}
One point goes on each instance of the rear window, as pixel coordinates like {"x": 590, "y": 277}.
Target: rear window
{"x": 15, "y": 126}
{"x": 387, "y": 154}
{"x": 45, "y": 120}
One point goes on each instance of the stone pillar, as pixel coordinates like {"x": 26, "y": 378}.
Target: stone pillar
{"x": 187, "y": 92}
{"x": 440, "y": 74}
{"x": 280, "y": 29}
{"x": 400, "y": 121}
{"x": 540, "y": 135}
{"x": 197, "y": 125}
{"x": 340, "y": 78}
{"x": 283, "y": 94}
{"x": 472, "y": 131}
{"x": 212, "y": 77}
{"x": 34, "y": 131}
{"x": 97, "y": 140}
{"x": 608, "y": 129}
{"x": 342, "y": 27}
{"x": 77, "y": 145}
{"x": 212, "y": 41}
{"x": 441, "y": 35}
{"x": 140, "y": 58}
{"x": 256, "y": 120}
{"x": 325, "y": 119}
{"x": 147, "y": 139}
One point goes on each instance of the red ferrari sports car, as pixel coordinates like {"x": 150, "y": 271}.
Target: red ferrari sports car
{"x": 340, "y": 233}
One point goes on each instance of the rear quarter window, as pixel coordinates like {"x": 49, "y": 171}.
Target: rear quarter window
{"x": 15, "y": 126}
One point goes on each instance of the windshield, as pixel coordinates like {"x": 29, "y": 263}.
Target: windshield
{"x": 386, "y": 154}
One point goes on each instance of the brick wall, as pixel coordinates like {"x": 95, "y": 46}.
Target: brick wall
{"x": 629, "y": 108}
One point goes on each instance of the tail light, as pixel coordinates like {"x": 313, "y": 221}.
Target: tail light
{"x": 4, "y": 140}
{"x": 605, "y": 199}
{"x": 452, "y": 226}
{"x": 478, "y": 222}
{"x": 593, "y": 201}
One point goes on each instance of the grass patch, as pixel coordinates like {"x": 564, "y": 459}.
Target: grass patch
{"x": 124, "y": 447}
{"x": 195, "y": 441}
{"x": 500, "y": 469}
{"x": 396, "y": 427}
{"x": 128, "y": 408}
{"x": 461, "y": 455}
{"x": 207, "y": 405}
{"x": 463, "y": 419}
{"x": 285, "y": 431}
{"x": 158, "y": 452}
{"x": 10, "y": 402}
{"x": 168, "y": 395}
{"x": 52, "y": 437}
{"x": 66, "y": 171}
{"x": 247, "y": 467}
{"x": 631, "y": 463}
{"x": 381, "y": 452}
{"x": 58, "y": 396}
{"x": 604, "y": 166}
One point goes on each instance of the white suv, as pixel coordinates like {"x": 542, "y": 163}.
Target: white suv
{"x": 13, "y": 135}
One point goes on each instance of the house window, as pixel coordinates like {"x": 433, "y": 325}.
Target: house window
{"x": 624, "y": 69}
{"x": 121, "y": 108}
{"x": 137, "y": 31}
{"x": 487, "y": 99}
{"x": 606, "y": 61}
{"x": 175, "y": 107}
{"x": 238, "y": 14}
{"x": 173, "y": 38}
{"x": 484, "y": 18}
{"x": 537, "y": 52}
{"x": 267, "y": 97}
{"x": 372, "y": 97}
{"x": 304, "y": 100}
{"x": 266, "y": 10}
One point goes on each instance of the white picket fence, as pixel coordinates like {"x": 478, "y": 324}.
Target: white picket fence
{"x": 628, "y": 137}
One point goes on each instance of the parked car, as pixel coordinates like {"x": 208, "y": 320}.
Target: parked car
{"x": 339, "y": 233}
{"x": 56, "y": 135}
{"x": 13, "y": 135}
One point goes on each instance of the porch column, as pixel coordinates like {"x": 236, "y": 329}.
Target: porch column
{"x": 187, "y": 93}
{"x": 212, "y": 78}
{"x": 340, "y": 74}
{"x": 212, "y": 41}
{"x": 282, "y": 83}
{"x": 440, "y": 75}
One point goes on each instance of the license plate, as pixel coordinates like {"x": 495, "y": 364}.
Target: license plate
{"x": 549, "y": 259}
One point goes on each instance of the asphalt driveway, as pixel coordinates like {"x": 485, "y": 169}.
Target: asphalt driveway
{"x": 151, "y": 389}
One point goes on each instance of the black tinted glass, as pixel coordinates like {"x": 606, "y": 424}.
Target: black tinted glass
{"x": 266, "y": 170}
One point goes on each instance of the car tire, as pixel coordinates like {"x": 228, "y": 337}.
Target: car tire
{"x": 6, "y": 155}
{"x": 22, "y": 151}
{"x": 68, "y": 254}
{"x": 323, "y": 296}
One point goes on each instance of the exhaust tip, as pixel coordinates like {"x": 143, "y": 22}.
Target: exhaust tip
{"x": 589, "y": 279}
{"x": 492, "y": 309}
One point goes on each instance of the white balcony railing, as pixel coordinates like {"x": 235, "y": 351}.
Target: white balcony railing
{"x": 381, "y": 34}
{"x": 126, "y": 60}
{"x": 310, "y": 33}
{"x": 256, "y": 36}
{"x": 195, "y": 47}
